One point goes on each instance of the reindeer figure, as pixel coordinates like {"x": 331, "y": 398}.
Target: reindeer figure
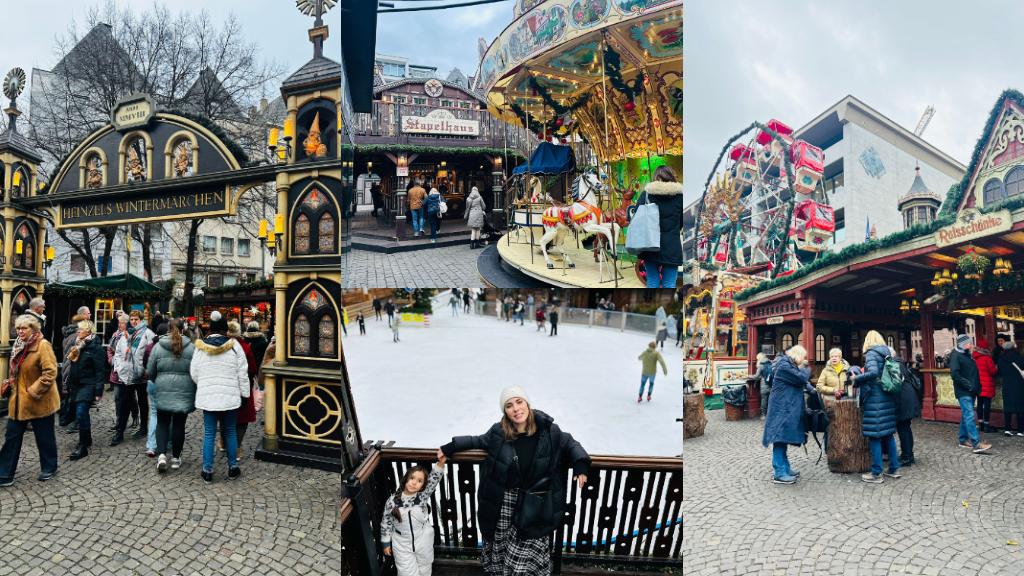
{"x": 582, "y": 216}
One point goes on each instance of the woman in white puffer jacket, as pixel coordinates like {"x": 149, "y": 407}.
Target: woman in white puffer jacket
{"x": 221, "y": 374}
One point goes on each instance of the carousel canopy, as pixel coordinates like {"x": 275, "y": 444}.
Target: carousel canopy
{"x": 549, "y": 159}
{"x": 561, "y": 52}
{"x": 114, "y": 283}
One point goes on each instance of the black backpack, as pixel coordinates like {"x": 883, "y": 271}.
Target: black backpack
{"x": 815, "y": 418}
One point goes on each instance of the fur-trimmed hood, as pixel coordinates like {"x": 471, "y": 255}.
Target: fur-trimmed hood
{"x": 256, "y": 334}
{"x": 664, "y": 188}
{"x": 214, "y": 350}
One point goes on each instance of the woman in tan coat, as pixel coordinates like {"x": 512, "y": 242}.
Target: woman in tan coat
{"x": 33, "y": 399}
{"x": 834, "y": 375}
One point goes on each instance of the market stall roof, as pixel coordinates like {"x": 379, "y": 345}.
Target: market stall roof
{"x": 113, "y": 283}
{"x": 562, "y": 51}
{"x": 549, "y": 158}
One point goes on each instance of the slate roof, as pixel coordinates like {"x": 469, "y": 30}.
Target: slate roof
{"x": 316, "y": 70}
{"x": 18, "y": 142}
{"x": 457, "y": 77}
{"x": 919, "y": 190}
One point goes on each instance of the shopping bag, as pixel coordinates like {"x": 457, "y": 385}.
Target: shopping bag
{"x": 644, "y": 233}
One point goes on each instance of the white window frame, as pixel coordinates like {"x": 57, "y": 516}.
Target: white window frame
{"x": 231, "y": 248}
{"x": 203, "y": 247}
{"x": 248, "y": 247}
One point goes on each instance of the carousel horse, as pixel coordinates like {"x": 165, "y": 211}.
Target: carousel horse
{"x": 582, "y": 217}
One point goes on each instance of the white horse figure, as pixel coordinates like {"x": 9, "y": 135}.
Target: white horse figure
{"x": 582, "y": 215}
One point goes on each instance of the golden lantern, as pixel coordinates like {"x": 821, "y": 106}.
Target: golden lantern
{"x": 263, "y": 229}
{"x": 18, "y": 247}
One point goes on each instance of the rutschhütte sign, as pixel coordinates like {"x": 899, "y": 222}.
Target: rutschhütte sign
{"x": 971, "y": 225}
{"x": 440, "y": 122}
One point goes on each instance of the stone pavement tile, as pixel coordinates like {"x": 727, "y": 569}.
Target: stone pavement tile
{"x": 112, "y": 513}
{"x": 434, "y": 268}
{"x": 736, "y": 520}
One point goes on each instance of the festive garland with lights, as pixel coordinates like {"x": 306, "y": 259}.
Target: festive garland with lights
{"x": 60, "y": 291}
{"x": 966, "y": 287}
{"x": 613, "y": 69}
{"x": 246, "y": 287}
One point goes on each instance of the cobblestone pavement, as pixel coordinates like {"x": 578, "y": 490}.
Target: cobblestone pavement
{"x": 737, "y": 521}
{"x": 433, "y": 268}
{"x": 111, "y": 513}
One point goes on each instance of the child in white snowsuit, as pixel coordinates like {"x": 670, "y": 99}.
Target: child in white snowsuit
{"x": 405, "y": 527}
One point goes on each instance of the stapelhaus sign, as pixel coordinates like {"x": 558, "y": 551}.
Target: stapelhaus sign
{"x": 971, "y": 225}
{"x": 440, "y": 122}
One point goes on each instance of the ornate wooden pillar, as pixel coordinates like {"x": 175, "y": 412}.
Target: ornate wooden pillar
{"x": 282, "y": 208}
{"x": 754, "y": 391}
{"x": 928, "y": 351}
{"x": 990, "y": 326}
{"x": 807, "y": 302}
{"x": 8, "y": 246}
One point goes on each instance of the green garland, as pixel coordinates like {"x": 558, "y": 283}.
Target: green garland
{"x": 550, "y": 102}
{"x": 59, "y": 291}
{"x": 382, "y": 148}
{"x": 965, "y": 287}
{"x": 613, "y": 69}
{"x": 238, "y": 287}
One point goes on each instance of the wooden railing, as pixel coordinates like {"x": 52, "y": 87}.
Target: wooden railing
{"x": 629, "y": 513}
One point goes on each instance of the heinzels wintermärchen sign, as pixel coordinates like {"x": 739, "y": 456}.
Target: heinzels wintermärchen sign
{"x": 440, "y": 122}
{"x": 971, "y": 225}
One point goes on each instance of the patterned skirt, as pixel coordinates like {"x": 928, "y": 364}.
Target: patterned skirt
{"x": 507, "y": 554}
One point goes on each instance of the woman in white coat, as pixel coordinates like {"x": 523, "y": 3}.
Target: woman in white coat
{"x": 405, "y": 531}
{"x": 221, "y": 374}
{"x": 475, "y": 214}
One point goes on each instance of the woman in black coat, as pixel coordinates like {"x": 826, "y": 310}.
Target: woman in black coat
{"x": 1010, "y": 364}
{"x": 527, "y": 453}
{"x": 784, "y": 424}
{"x": 85, "y": 382}
{"x": 908, "y": 407}
{"x": 879, "y": 422}
{"x": 667, "y": 193}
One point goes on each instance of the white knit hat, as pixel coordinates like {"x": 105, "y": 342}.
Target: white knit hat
{"x": 512, "y": 392}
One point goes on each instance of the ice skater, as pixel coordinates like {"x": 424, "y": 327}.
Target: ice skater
{"x": 377, "y": 308}
{"x": 467, "y": 299}
{"x": 553, "y": 318}
{"x": 390, "y": 309}
{"x": 540, "y": 318}
{"x": 454, "y": 301}
{"x": 394, "y": 328}
{"x": 650, "y": 358}
{"x": 405, "y": 530}
{"x": 662, "y": 335}
{"x": 362, "y": 324}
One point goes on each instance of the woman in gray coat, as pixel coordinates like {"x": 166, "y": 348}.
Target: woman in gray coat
{"x": 475, "y": 216}
{"x": 174, "y": 392}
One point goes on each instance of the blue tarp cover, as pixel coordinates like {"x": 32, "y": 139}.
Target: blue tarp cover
{"x": 549, "y": 158}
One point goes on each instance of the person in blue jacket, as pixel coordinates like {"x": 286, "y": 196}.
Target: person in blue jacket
{"x": 879, "y": 406}
{"x": 433, "y": 209}
{"x": 784, "y": 424}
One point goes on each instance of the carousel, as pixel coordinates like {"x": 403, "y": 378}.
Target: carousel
{"x": 764, "y": 214}
{"x": 600, "y": 83}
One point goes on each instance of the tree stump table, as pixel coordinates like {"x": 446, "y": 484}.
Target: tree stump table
{"x": 693, "y": 415}
{"x": 848, "y": 449}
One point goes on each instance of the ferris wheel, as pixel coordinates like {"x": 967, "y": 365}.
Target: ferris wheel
{"x": 761, "y": 208}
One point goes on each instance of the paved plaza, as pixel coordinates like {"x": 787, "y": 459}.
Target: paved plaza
{"x": 433, "y": 268}
{"x": 952, "y": 513}
{"x": 111, "y": 513}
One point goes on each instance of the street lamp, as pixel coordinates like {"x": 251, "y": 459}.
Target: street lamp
{"x": 271, "y": 242}
{"x": 282, "y": 151}
{"x": 47, "y": 257}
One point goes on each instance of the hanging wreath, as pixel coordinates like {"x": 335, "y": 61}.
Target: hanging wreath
{"x": 613, "y": 68}
{"x": 972, "y": 264}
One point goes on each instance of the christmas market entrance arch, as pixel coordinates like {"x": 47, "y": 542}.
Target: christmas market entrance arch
{"x": 153, "y": 166}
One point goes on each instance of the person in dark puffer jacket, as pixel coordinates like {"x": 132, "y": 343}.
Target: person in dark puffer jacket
{"x": 784, "y": 424}
{"x": 665, "y": 191}
{"x": 87, "y": 374}
{"x": 526, "y": 452}
{"x": 879, "y": 406}
{"x": 966, "y": 386}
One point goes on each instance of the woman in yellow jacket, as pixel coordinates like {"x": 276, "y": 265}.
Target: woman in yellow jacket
{"x": 832, "y": 380}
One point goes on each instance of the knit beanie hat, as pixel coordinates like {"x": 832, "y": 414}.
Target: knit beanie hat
{"x": 512, "y": 392}
{"x": 1008, "y": 345}
{"x": 982, "y": 343}
{"x": 961, "y": 340}
{"x": 218, "y": 323}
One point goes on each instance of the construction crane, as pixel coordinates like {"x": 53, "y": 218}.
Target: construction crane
{"x": 925, "y": 119}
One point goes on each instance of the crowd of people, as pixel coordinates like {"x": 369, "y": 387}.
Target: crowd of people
{"x": 160, "y": 370}
{"x": 514, "y": 309}
{"x": 890, "y": 394}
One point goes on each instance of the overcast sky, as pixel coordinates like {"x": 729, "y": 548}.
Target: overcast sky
{"x": 278, "y": 26}
{"x": 749, "y": 61}
{"x": 443, "y": 38}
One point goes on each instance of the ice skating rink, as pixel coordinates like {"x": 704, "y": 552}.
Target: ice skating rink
{"x": 446, "y": 380}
